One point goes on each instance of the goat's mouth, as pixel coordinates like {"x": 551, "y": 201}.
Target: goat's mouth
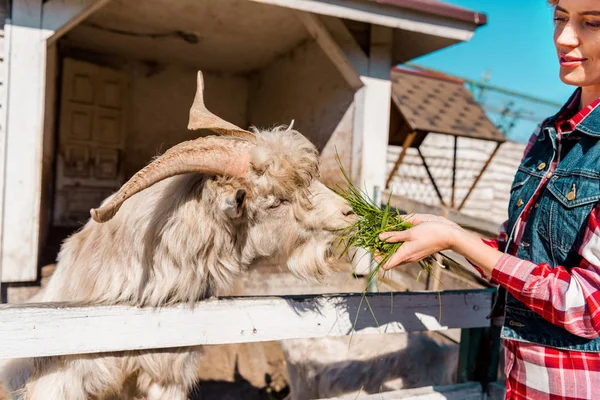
{"x": 330, "y": 251}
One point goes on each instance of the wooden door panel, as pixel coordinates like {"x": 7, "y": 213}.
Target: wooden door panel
{"x": 91, "y": 141}
{"x": 82, "y": 89}
{"x": 78, "y": 122}
{"x": 108, "y": 127}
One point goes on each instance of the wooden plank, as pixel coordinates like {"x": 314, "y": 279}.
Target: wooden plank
{"x": 372, "y": 113}
{"x": 454, "y": 172}
{"x": 485, "y": 166}
{"x": 435, "y": 186}
{"x": 60, "y": 16}
{"x": 344, "y": 38}
{"x": 33, "y": 330}
{"x": 22, "y": 185}
{"x": 407, "y": 142}
{"x": 330, "y": 48}
{"x": 379, "y": 14}
{"x": 496, "y": 391}
{"x": 463, "y": 391}
{"x": 3, "y": 129}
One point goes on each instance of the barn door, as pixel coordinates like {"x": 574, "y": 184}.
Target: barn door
{"x": 91, "y": 139}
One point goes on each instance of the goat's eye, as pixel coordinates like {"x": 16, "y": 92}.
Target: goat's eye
{"x": 276, "y": 203}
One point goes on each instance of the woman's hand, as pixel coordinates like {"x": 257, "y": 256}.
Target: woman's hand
{"x": 429, "y": 235}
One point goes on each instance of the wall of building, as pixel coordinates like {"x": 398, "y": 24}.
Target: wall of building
{"x": 489, "y": 199}
{"x": 305, "y": 86}
{"x": 160, "y": 101}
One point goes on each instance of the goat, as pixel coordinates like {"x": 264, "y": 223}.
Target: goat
{"x": 343, "y": 366}
{"x": 181, "y": 230}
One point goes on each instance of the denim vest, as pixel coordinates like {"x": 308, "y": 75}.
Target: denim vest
{"x": 555, "y": 228}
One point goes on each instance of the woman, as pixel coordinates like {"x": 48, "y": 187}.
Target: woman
{"x": 547, "y": 263}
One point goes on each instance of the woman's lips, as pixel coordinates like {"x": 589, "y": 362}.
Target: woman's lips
{"x": 571, "y": 62}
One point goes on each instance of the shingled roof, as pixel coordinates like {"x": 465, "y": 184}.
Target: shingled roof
{"x": 425, "y": 102}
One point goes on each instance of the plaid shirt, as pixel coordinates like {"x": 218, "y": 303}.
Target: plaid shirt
{"x": 567, "y": 298}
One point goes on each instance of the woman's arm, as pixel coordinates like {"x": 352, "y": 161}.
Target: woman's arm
{"x": 570, "y": 299}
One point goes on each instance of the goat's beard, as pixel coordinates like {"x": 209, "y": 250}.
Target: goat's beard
{"x": 312, "y": 260}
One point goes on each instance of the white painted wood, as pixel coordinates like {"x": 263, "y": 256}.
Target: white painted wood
{"x": 374, "y": 13}
{"x": 25, "y": 113}
{"x": 33, "y": 330}
{"x": 372, "y": 115}
{"x": 331, "y": 49}
{"x": 3, "y": 126}
{"x": 60, "y": 16}
{"x": 496, "y": 391}
{"x": 463, "y": 391}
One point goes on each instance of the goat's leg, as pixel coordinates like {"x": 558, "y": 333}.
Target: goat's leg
{"x": 158, "y": 392}
{"x": 58, "y": 384}
{"x": 75, "y": 377}
{"x": 167, "y": 374}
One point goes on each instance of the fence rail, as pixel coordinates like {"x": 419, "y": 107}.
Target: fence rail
{"x": 59, "y": 329}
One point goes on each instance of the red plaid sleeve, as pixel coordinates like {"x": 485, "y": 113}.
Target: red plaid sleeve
{"x": 567, "y": 298}
{"x": 499, "y": 244}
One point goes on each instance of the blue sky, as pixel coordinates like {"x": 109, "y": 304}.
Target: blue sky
{"x": 516, "y": 48}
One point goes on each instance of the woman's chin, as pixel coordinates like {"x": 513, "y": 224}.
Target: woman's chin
{"x": 572, "y": 77}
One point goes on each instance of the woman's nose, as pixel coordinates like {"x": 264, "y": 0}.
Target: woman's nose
{"x": 567, "y": 36}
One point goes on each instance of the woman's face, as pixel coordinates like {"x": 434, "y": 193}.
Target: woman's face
{"x": 577, "y": 41}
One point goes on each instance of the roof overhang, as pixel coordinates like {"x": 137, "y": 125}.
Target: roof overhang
{"x": 420, "y": 26}
{"x": 426, "y": 16}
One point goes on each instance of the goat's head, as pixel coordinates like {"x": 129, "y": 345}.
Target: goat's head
{"x": 262, "y": 187}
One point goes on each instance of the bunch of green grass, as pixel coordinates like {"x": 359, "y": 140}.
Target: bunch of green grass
{"x": 372, "y": 220}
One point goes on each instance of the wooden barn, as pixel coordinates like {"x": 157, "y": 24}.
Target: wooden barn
{"x": 93, "y": 89}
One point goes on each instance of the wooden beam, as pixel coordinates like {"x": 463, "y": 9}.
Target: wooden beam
{"x": 372, "y": 114}
{"x": 437, "y": 190}
{"x": 330, "y": 48}
{"x": 24, "y": 128}
{"x": 55, "y": 329}
{"x": 60, "y": 16}
{"x": 410, "y": 138}
{"x": 379, "y": 14}
{"x": 3, "y": 137}
{"x": 485, "y": 166}
{"x": 461, "y": 391}
{"x": 454, "y": 172}
{"x": 347, "y": 43}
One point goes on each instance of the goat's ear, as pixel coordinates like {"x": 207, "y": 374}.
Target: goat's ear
{"x": 233, "y": 204}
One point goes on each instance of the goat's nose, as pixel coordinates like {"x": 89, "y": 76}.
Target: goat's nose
{"x": 348, "y": 211}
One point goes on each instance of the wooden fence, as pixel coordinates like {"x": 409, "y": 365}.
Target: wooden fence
{"x": 59, "y": 329}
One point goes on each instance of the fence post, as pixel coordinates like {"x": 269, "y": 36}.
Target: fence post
{"x": 479, "y": 355}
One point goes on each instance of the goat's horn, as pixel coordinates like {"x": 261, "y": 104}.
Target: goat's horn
{"x": 201, "y": 118}
{"x": 291, "y": 126}
{"x": 211, "y": 155}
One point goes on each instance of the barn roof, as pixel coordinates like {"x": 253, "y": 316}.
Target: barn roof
{"x": 426, "y": 102}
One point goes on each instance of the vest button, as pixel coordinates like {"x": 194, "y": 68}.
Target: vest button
{"x": 572, "y": 194}
{"x": 520, "y": 203}
{"x": 541, "y": 166}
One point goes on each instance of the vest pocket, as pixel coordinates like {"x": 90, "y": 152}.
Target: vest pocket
{"x": 564, "y": 208}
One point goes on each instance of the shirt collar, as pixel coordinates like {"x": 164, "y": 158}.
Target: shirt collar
{"x": 570, "y": 118}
